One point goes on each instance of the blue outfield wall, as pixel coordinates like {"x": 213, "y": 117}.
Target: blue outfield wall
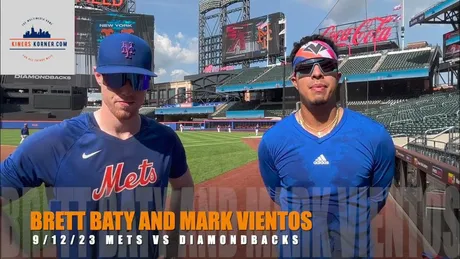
{"x": 245, "y": 114}
{"x": 188, "y": 110}
{"x": 188, "y": 125}
{"x": 255, "y": 86}
{"x": 31, "y": 124}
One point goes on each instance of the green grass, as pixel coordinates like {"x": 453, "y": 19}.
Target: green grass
{"x": 209, "y": 154}
{"x": 12, "y": 136}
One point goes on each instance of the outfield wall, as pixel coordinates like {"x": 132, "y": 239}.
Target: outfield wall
{"x": 31, "y": 124}
{"x": 236, "y": 125}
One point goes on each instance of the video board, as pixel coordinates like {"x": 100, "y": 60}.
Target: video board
{"x": 94, "y": 25}
{"x": 451, "y": 45}
{"x": 250, "y": 40}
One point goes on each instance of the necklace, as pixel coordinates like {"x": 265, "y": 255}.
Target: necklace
{"x": 319, "y": 133}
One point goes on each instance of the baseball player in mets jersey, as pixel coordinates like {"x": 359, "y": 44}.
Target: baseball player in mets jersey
{"x": 333, "y": 162}
{"x": 107, "y": 157}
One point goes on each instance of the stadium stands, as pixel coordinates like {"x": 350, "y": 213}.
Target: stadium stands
{"x": 408, "y": 59}
{"x": 40, "y": 115}
{"x": 274, "y": 74}
{"x": 220, "y": 112}
{"x": 246, "y": 76}
{"x": 360, "y": 64}
{"x": 276, "y": 109}
{"x": 418, "y": 115}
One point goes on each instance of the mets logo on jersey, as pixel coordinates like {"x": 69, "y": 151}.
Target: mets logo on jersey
{"x": 112, "y": 179}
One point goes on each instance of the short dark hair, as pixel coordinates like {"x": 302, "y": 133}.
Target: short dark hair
{"x": 313, "y": 37}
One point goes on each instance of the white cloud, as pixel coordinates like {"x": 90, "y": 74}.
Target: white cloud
{"x": 161, "y": 72}
{"x": 329, "y": 22}
{"x": 179, "y": 36}
{"x": 344, "y": 11}
{"x": 178, "y": 74}
{"x": 413, "y": 7}
{"x": 173, "y": 56}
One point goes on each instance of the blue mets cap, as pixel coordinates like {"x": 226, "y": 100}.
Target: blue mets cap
{"x": 124, "y": 53}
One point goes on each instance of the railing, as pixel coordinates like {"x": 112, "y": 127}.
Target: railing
{"x": 454, "y": 133}
{"x": 436, "y": 150}
{"x": 441, "y": 145}
{"x": 453, "y": 147}
{"x": 439, "y": 131}
{"x": 424, "y": 187}
{"x": 401, "y": 135}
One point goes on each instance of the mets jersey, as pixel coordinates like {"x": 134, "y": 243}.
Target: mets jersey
{"x": 90, "y": 170}
{"x": 343, "y": 178}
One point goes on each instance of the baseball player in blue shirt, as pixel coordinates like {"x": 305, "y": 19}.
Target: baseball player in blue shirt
{"x": 106, "y": 156}
{"x": 331, "y": 161}
{"x": 24, "y": 132}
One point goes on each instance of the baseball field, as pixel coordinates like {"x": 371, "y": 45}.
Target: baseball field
{"x": 224, "y": 167}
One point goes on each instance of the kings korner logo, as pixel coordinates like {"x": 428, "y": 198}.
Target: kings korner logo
{"x": 38, "y": 42}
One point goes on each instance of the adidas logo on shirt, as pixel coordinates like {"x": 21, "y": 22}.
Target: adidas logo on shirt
{"x": 321, "y": 160}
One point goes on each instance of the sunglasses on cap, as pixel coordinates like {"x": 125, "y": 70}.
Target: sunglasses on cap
{"x": 138, "y": 82}
{"x": 327, "y": 66}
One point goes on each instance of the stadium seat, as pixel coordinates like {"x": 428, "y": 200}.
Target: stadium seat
{"x": 416, "y": 116}
{"x": 274, "y": 74}
{"x": 246, "y": 76}
{"x": 406, "y": 60}
{"x": 359, "y": 65}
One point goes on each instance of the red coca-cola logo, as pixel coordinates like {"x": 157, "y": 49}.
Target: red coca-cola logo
{"x": 368, "y": 31}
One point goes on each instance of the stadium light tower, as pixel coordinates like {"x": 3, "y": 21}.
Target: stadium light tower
{"x": 210, "y": 32}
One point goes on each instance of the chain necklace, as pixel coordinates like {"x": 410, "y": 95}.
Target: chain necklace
{"x": 319, "y": 133}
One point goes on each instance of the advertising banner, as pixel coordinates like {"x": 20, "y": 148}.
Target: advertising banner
{"x": 37, "y": 39}
{"x": 370, "y": 31}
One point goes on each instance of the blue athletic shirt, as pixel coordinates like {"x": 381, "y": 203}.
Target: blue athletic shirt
{"x": 103, "y": 173}
{"x": 343, "y": 178}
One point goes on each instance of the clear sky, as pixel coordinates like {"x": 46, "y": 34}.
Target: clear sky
{"x": 176, "y": 22}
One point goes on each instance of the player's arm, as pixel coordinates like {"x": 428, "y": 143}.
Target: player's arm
{"x": 182, "y": 192}
{"x": 383, "y": 171}
{"x": 269, "y": 172}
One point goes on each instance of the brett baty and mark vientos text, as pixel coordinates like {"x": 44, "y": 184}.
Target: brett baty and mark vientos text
{"x": 165, "y": 220}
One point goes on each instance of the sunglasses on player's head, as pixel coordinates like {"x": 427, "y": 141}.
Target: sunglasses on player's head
{"x": 326, "y": 65}
{"x": 138, "y": 82}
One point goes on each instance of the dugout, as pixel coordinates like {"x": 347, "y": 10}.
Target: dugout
{"x": 380, "y": 90}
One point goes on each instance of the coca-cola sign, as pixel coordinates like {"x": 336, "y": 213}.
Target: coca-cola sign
{"x": 369, "y": 31}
